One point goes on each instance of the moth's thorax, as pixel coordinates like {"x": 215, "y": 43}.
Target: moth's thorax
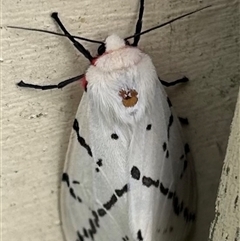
{"x": 118, "y": 55}
{"x": 121, "y": 82}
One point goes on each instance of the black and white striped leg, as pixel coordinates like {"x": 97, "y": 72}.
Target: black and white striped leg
{"x": 49, "y": 87}
{"x": 76, "y": 44}
{"x": 175, "y": 82}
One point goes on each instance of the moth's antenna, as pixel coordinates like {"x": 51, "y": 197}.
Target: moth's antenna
{"x": 78, "y": 46}
{"x": 166, "y": 23}
{"x": 139, "y": 24}
{"x": 54, "y": 33}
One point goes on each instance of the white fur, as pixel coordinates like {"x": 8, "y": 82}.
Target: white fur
{"x": 104, "y": 85}
{"x": 102, "y": 113}
{"x": 114, "y": 42}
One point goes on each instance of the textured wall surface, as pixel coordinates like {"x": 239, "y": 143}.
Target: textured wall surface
{"x": 36, "y": 124}
{"x": 226, "y": 225}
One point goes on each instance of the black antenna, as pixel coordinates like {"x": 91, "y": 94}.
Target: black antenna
{"x": 166, "y": 23}
{"x": 54, "y": 33}
{"x": 79, "y": 46}
{"x": 139, "y": 24}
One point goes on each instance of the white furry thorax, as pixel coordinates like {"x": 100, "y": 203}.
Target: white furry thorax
{"x": 121, "y": 68}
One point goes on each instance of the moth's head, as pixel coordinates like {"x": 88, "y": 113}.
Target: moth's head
{"x": 112, "y": 42}
{"x": 116, "y": 53}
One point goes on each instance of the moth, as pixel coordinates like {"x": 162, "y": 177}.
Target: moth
{"x": 128, "y": 174}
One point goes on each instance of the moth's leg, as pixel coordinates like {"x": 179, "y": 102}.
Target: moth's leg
{"x": 139, "y": 24}
{"x": 49, "y": 87}
{"x": 76, "y": 44}
{"x": 183, "y": 121}
{"x": 175, "y": 82}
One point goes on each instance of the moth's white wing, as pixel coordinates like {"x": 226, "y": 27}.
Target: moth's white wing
{"x": 123, "y": 190}
{"x": 126, "y": 176}
{"x": 93, "y": 196}
{"x": 77, "y": 176}
{"x": 162, "y": 198}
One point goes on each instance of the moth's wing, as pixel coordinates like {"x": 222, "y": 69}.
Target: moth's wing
{"x": 162, "y": 198}
{"x": 119, "y": 184}
{"x": 76, "y": 188}
{"x": 94, "y": 187}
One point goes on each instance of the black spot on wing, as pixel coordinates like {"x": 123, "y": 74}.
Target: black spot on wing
{"x": 96, "y": 219}
{"x": 125, "y": 238}
{"x": 177, "y": 206}
{"x": 80, "y": 237}
{"x": 139, "y": 235}
{"x": 99, "y": 162}
{"x": 170, "y": 122}
{"x": 165, "y": 149}
{"x": 114, "y": 136}
{"x": 85, "y": 232}
{"x": 120, "y": 192}
{"x": 81, "y": 140}
{"x": 189, "y": 216}
{"x": 169, "y": 102}
{"x": 183, "y": 121}
{"x": 185, "y": 164}
{"x": 164, "y": 146}
{"x": 75, "y": 182}
{"x": 101, "y": 212}
{"x": 92, "y": 229}
{"x": 186, "y": 212}
{"x": 170, "y": 195}
{"x": 148, "y": 181}
{"x": 163, "y": 190}
{"x": 149, "y": 127}
{"x": 135, "y": 173}
{"x": 186, "y": 149}
{"x": 111, "y": 202}
{"x": 65, "y": 178}
{"x": 72, "y": 192}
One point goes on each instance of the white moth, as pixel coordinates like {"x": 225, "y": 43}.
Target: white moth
{"x": 128, "y": 174}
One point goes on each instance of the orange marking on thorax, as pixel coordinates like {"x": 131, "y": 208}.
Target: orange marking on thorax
{"x": 129, "y": 97}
